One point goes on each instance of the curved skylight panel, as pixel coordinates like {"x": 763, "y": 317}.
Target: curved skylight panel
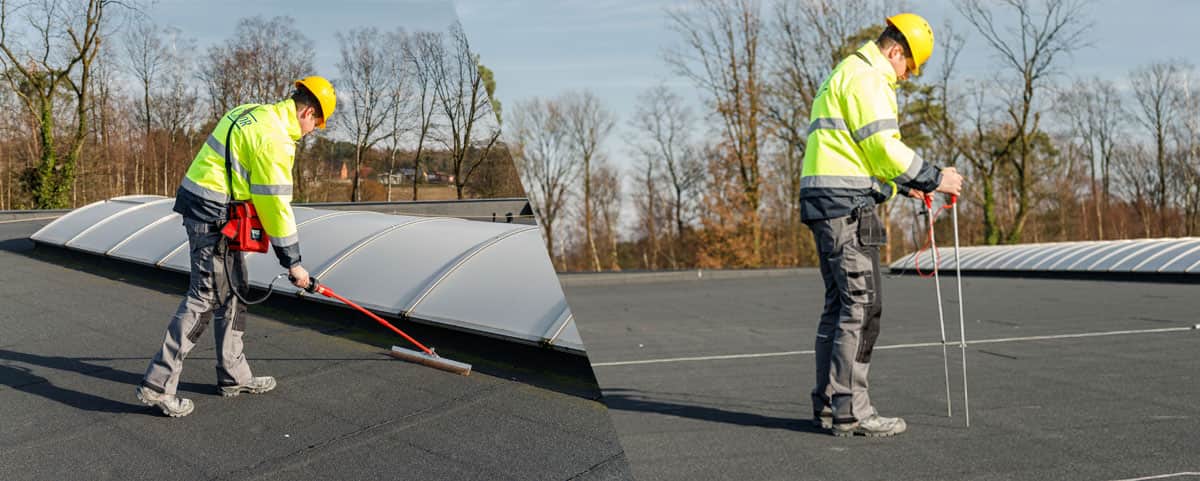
{"x": 1184, "y": 262}
{"x": 1005, "y": 261}
{"x": 970, "y": 255}
{"x": 389, "y": 272}
{"x": 1059, "y": 255}
{"x": 1046, "y": 252}
{"x": 904, "y": 262}
{"x": 152, "y": 243}
{"x": 508, "y": 288}
{"x": 1165, "y": 260}
{"x": 73, "y": 223}
{"x": 107, "y": 233}
{"x": 1112, "y": 256}
{"x": 991, "y": 254}
{"x": 1139, "y": 255}
{"x": 322, "y": 240}
{"x": 569, "y": 337}
{"x": 1082, "y": 260}
{"x": 137, "y": 198}
{"x": 490, "y": 278}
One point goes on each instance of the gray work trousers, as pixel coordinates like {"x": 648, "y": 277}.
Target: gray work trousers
{"x": 850, "y": 320}
{"x": 209, "y": 299}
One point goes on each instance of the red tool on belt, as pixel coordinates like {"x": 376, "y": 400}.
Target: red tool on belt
{"x": 245, "y": 230}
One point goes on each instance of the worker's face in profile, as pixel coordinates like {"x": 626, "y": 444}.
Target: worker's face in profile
{"x": 901, "y": 63}
{"x": 308, "y": 119}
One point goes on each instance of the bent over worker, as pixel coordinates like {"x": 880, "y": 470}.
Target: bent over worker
{"x": 262, "y": 148}
{"x": 853, "y": 161}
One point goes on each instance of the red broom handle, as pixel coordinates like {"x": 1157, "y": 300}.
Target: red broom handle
{"x": 321, "y": 289}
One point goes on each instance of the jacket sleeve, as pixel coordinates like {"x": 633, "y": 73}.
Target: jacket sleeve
{"x": 271, "y": 192}
{"x": 872, "y": 120}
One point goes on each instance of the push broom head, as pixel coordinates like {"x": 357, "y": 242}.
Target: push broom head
{"x": 434, "y": 361}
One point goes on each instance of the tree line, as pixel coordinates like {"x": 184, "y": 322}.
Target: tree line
{"x": 104, "y": 102}
{"x": 1047, "y": 155}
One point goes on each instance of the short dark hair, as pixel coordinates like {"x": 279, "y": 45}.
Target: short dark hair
{"x": 303, "y": 98}
{"x": 891, "y": 35}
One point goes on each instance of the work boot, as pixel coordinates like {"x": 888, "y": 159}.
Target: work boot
{"x": 875, "y": 426}
{"x": 170, "y": 404}
{"x": 824, "y": 418}
{"x": 257, "y": 385}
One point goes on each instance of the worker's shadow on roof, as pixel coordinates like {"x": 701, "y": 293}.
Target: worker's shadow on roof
{"x": 637, "y": 400}
{"x": 13, "y": 374}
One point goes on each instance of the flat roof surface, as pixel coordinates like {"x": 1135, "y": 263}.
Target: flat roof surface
{"x": 78, "y": 332}
{"x": 1079, "y": 380}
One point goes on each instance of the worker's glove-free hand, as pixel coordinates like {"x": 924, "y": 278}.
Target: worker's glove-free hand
{"x": 951, "y": 182}
{"x": 299, "y": 276}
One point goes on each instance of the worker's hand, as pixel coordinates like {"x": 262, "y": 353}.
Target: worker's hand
{"x": 916, "y": 194}
{"x": 951, "y": 182}
{"x": 299, "y": 276}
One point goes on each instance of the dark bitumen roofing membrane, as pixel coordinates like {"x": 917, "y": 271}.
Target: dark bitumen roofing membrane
{"x": 78, "y": 330}
{"x": 1080, "y": 379}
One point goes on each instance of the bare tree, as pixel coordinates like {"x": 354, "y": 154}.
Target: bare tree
{"x": 400, "y": 122}
{"x": 369, "y": 87}
{"x": 258, "y": 64}
{"x": 66, "y": 42}
{"x": 145, "y": 56}
{"x": 1043, "y": 36}
{"x": 588, "y": 124}
{"x": 426, "y": 52}
{"x": 466, "y": 106}
{"x": 1187, "y": 138}
{"x": 666, "y": 122}
{"x": 1093, "y": 110}
{"x": 720, "y": 54}
{"x": 173, "y": 104}
{"x": 1155, "y": 90}
{"x": 607, "y": 199}
{"x": 542, "y": 155}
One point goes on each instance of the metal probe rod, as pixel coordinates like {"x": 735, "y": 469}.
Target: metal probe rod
{"x": 941, "y": 317}
{"x": 961, "y": 319}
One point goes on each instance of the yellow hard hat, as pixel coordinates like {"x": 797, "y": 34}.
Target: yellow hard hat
{"x": 323, "y": 91}
{"x": 919, "y": 35}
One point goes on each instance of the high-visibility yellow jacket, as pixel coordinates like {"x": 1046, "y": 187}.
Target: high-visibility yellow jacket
{"x": 264, "y": 149}
{"x": 854, "y": 155}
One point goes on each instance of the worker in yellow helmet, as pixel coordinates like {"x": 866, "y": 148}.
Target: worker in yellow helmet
{"x": 854, "y": 159}
{"x": 258, "y": 141}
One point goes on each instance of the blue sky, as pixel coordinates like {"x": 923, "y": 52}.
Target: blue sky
{"x": 614, "y": 47}
{"x": 213, "y": 21}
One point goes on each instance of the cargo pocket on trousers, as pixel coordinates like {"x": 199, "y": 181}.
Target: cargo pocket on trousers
{"x": 858, "y": 276}
{"x": 198, "y": 328}
{"x": 239, "y": 316}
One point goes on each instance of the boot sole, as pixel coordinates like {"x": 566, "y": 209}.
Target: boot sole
{"x": 232, "y": 391}
{"x": 849, "y": 433}
{"x": 162, "y": 408}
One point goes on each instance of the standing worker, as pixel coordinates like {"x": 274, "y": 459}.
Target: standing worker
{"x": 854, "y": 160}
{"x": 263, "y": 140}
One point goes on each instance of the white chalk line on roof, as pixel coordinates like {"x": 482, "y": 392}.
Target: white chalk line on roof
{"x": 1163, "y": 476}
{"x": 897, "y": 346}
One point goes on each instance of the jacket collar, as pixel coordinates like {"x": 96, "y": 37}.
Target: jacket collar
{"x": 285, "y": 111}
{"x": 870, "y": 52}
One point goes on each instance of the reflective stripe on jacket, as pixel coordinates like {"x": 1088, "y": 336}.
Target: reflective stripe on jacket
{"x": 264, "y": 149}
{"x": 854, "y": 155}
